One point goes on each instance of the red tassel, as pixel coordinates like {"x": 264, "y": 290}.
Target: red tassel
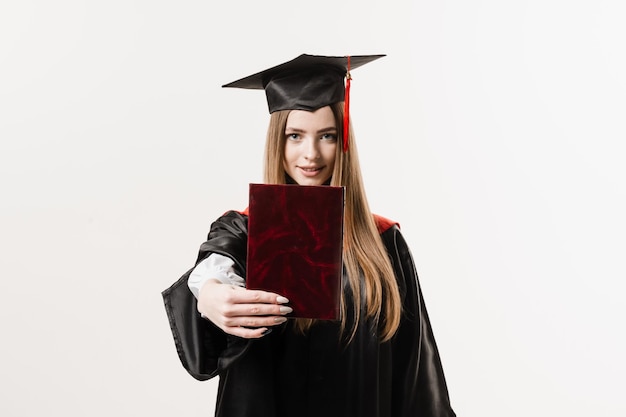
{"x": 346, "y": 110}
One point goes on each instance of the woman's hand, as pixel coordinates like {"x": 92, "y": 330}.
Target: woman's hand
{"x": 241, "y": 312}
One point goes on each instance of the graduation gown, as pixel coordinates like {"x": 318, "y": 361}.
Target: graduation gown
{"x": 286, "y": 373}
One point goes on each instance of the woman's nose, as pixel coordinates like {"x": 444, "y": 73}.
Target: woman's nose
{"x": 311, "y": 151}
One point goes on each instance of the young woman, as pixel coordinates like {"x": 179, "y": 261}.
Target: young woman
{"x": 380, "y": 359}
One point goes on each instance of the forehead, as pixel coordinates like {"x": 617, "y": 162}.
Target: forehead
{"x": 321, "y": 118}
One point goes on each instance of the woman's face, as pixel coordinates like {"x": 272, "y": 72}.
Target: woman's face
{"x": 310, "y": 145}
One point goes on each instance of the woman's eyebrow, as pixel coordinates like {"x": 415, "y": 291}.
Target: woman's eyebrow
{"x": 330, "y": 129}
{"x": 298, "y": 130}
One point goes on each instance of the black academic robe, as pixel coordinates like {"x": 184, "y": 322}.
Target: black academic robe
{"x": 317, "y": 374}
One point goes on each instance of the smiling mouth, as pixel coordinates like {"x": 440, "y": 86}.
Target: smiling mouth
{"x": 311, "y": 171}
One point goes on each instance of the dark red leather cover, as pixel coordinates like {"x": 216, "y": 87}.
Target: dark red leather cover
{"x": 295, "y": 241}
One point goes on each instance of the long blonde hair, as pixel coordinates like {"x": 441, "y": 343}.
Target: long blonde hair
{"x": 363, "y": 252}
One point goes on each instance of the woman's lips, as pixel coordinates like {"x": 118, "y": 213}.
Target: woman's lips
{"x": 310, "y": 172}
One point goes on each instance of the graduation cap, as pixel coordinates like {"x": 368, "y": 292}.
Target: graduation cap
{"x": 307, "y": 82}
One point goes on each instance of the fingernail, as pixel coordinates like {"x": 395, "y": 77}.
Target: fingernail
{"x": 266, "y": 332}
{"x": 286, "y": 310}
{"x": 282, "y": 300}
{"x": 280, "y": 319}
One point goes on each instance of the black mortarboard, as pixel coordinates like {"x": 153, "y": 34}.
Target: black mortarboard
{"x": 307, "y": 82}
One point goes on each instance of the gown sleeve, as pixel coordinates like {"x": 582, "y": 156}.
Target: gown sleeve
{"x": 419, "y": 385}
{"x": 204, "y": 349}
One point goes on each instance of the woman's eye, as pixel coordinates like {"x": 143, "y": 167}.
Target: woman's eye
{"x": 293, "y": 136}
{"x": 329, "y": 136}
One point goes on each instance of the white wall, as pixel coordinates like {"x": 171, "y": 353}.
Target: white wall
{"x": 493, "y": 131}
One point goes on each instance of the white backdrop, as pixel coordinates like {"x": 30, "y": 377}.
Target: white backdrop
{"x": 493, "y": 132}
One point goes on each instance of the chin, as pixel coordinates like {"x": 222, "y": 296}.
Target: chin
{"x": 304, "y": 180}
{"x": 311, "y": 181}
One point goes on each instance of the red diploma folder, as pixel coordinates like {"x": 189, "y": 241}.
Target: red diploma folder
{"x": 295, "y": 242}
